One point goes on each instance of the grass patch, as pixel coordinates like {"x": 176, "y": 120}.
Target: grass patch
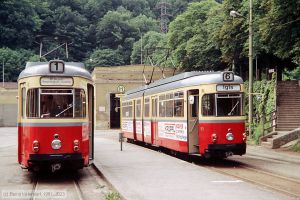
{"x": 258, "y": 132}
{"x": 112, "y": 196}
{"x": 296, "y": 147}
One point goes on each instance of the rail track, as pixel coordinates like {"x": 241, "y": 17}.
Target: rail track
{"x": 242, "y": 171}
{"x": 84, "y": 184}
{"x": 262, "y": 178}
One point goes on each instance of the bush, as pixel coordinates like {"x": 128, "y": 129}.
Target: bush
{"x": 112, "y": 196}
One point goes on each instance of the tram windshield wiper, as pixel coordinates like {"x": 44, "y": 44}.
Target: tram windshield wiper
{"x": 69, "y": 106}
{"x": 230, "y": 113}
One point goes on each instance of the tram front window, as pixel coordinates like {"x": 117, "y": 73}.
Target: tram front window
{"x": 62, "y": 103}
{"x": 56, "y": 103}
{"x": 222, "y": 105}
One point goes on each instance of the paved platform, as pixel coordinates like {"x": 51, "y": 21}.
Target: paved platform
{"x": 276, "y": 154}
{"x": 142, "y": 174}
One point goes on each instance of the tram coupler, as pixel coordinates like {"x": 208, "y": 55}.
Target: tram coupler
{"x": 121, "y": 138}
{"x": 55, "y": 167}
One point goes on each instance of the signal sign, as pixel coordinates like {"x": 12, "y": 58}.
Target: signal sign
{"x": 121, "y": 88}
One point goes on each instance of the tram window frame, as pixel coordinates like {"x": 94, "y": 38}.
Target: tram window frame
{"x": 147, "y": 107}
{"x": 23, "y": 110}
{"x": 51, "y": 109}
{"x": 127, "y": 108}
{"x": 138, "y": 108}
{"x": 162, "y": 106}
{"x": 234, "y": 106}
{"x": 169, "y": 105}
{"x": 78, "y": 104}
{"x": 212, "y": 109}
{"x": 208, "y": 105}
{"x": 32, "y": 103}
{"x": 179, "y": 104}
{"x": 154, "y": 107}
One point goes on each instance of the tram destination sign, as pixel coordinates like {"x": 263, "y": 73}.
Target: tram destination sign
{"x": 228, "y": 87}
{"x": 55, "y": 81}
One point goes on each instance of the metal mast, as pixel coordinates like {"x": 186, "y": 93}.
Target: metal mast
{"x": 164, "y": 15}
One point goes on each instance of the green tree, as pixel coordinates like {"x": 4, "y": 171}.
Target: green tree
{"x": 73, "y": 25}
{"x": 14, "y": 62}
{"x": 19, "y": 23}
{"x": 279, "y": 28}
{"x": 138, "y": 7}
{"x": 151, "y": 41}
{"x": 194, "y": 47}
{"x": 143, "y": 24}
{"x": 96, "y": 9}
{"x": 105, "y": 58}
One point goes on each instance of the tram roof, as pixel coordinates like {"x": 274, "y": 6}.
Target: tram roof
{"x": 185, "y": 79}
{"x": 42, "y": 69}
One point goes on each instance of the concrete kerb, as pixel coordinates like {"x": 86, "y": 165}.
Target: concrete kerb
{"x": 99, "y": 169}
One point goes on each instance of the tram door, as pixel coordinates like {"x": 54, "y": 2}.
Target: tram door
{"x": 193, "y": 115}
{"x": 91, "y": 119}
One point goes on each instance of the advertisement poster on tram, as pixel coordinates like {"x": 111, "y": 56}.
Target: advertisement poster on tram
{"x": 138, "y": 126}
{"x": 127, "y": 126}
{"x": 147, "y": 128}
{"x": 173, "y": 130}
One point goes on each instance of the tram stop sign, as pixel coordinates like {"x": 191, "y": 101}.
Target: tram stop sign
{"x": 121, "y": 88}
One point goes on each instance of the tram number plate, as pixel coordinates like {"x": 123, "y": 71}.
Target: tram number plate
{"x": 56, "y": 66}
{"x": 228, "y": 76}
{"x": 223, "y": 88}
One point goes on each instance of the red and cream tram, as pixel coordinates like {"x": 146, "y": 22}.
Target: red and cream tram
{"x": 55, "y": 115}
{"x": 193, "y": 112}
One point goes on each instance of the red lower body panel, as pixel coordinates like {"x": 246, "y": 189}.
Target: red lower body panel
{"x": 220, "y": 129}
{"x": 45, "y": 135}
{"x": 174, "y": 135}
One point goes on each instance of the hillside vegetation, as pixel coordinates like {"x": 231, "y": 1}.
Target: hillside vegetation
{"x": 201, "y": 34}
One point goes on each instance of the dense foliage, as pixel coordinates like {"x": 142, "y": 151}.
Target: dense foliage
{"x": 263, "y": 105}
{"x": 202, "y": 35}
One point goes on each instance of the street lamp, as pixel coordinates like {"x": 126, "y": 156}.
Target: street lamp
{"x": 250, "y": 89}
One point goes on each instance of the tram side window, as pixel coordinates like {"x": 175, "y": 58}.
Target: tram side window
{"x": 80, "y": 102}
{"x": 169, "y": 105}
{"x": 154, "y": 107}
{"x": 178, "y": 104}
{"x": 123, "y": 109}
{"x": 162, "y": 106}
{"x": 126, "y": 109}
{"x": 138, "y": 108}
{"x": 208, "y": 105}
{"x": 33, "y": 103}
{"x": 147, "y": 107}
{"x": 23, "y": 102}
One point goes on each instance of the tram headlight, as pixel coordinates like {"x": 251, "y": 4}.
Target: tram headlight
{"x": 244, "y": 137}
{"x": 214, "y": 138}
{"x": 229, "y": 136}
{"x": 56, "y": 144}
{"x": 35, "y": 146}
{"x": 76, "y": 145}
